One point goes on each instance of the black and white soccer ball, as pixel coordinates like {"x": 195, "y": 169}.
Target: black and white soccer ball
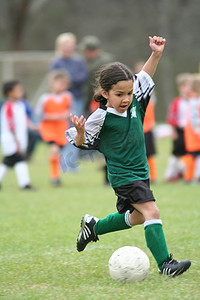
{"x": 129, "y": 264}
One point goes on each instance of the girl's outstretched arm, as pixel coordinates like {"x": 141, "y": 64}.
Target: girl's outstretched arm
{"x": 157, "y": 45}
{"x": 79, "y": 124}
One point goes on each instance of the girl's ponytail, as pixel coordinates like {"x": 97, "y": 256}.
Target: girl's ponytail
{"x": 98, "y": 97}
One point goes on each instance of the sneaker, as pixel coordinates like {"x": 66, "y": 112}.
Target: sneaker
{"x": 56, "y": 182}
{"x": 86, "y": 233}
{"x": 28, "y": 187}
{"x": 172, "y": 267}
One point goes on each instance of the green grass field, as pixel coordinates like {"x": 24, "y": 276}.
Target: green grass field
{"x": 38, "y": 231}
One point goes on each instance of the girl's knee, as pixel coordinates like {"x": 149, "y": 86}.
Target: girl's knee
{"x": 136, "y": 218}
{"x": 152, "y": 213}
{"x": 148, "y": 209}
{"x": 155, "y": 213}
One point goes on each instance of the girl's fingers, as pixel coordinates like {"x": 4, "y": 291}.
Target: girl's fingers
{"x": 159, "y": 40}
{"x": 77, "y": 122}
{"x": 81, "y": 119}
{"x": 84, "y": 122}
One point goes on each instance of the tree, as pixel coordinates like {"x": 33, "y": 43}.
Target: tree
{"x": 18, "y": 12}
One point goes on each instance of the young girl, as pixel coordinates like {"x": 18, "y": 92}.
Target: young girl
{"x": 53, "y": 111}
{"x": 115, "y": 129}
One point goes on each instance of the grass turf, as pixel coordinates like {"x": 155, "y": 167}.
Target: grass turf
{"x": 38, "y": 230}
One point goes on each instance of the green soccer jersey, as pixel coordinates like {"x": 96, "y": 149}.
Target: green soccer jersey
{"x": 122, "y": 144}
{"x": 119, "y": 136}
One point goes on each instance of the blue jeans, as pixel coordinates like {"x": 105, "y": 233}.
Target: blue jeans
{"x": 70, "y": 154}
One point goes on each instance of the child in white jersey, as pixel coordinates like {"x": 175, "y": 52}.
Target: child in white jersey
{"x": 176, "y": 117}
{"x": 116, "y": 130}
{"x": 14, "y": 134}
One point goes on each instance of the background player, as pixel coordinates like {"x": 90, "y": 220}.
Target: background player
{"x": 177, "y": 119}
{"x": 53, "y": 112}
{"x": 14, "y": 133}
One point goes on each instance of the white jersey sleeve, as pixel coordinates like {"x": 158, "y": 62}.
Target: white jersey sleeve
{"x": 142, "y": 88}
{"x": 93, "y": 127}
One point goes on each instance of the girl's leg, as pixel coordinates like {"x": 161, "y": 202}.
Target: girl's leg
{"x": 148, "y": 211}
{"x": 153, "y": 231}
{"x": 3, "y": 171}
{"x": 136, "y": 218}
{"x": 54, "y": 163}
{"x": 91, "y": 226}
{"x": 115, "y": 222}
{"x": 22, "y": 173}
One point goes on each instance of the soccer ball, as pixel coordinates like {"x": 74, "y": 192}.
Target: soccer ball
{"x": 129, "y": 264}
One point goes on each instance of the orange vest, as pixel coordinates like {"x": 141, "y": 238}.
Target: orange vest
{"x": 149, "y": 119}
{"x": 54, "y": 130}
{"x": 192, "y": 136}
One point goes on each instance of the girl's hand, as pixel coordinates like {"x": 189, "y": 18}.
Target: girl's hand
{"x": 157, "y": 44}
{"x": 79, "y": 123}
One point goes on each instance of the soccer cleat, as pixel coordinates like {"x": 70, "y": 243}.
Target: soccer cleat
{"x": 86, "y": 233}
{"x": 172, "y": 267}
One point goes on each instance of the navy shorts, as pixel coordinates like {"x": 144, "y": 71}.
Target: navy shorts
{"x": 132, "y": 193}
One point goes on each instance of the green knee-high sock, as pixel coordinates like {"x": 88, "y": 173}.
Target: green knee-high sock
{"x": 113, "y": 222}
{"x": 155, "y": 240}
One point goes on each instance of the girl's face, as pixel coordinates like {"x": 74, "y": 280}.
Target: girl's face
{"x": 59, "y": 85}
{"x": 119, "y": 96}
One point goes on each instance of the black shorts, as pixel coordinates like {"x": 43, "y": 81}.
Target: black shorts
{"x": 179, "y": 143}
{"x": 11, "y": 160}
{"x": 149, "y": 143}
{"x": 132, "y": 193}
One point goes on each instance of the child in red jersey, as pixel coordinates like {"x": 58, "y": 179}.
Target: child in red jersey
{"x": 177, "y": 119}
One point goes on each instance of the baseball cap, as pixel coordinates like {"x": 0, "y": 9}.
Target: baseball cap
{"x": 90, "y": 42}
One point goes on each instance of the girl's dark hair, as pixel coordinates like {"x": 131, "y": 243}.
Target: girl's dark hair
{"x": 109, "y": 75}
{"x": 9, "y": 86}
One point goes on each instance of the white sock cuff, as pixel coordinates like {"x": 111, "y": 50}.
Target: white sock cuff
{"x": 151, "y": 222}
{"x": 126, "y": 218}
